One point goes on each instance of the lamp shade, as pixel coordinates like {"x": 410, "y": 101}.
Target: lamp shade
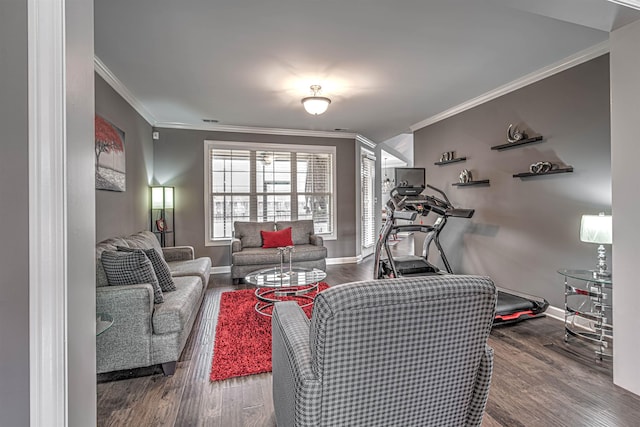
{"x": 161, "y": 197}
{"x": 596, "y": 229}
{"x": 316, "y": 104}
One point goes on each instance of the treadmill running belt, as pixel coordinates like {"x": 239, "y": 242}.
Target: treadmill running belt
{"x": 512, "y": 308}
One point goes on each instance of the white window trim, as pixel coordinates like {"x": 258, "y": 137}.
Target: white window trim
{"x": 237, "y": 145}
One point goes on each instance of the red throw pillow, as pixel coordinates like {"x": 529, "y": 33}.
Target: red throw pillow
{"x": 276, "y": 239}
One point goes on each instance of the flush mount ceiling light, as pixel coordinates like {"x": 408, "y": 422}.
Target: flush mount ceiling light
{"x": 316, "y": 104}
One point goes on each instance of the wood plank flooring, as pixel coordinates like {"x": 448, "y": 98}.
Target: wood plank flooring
{"x": 538, "y": 380}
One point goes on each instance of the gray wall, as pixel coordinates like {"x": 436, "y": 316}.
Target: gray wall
{"x": 178, "y": 161}
{"x": 14, "y": 214}
{"x": 121, "y": 213}
{"x": 524, "y": 230}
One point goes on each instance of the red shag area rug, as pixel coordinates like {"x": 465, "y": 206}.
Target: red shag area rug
{"x": 242, "y": 343}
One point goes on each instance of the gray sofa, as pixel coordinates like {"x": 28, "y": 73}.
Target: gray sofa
{"x": 144, "y": 333}
{"x": 247, "y": 253}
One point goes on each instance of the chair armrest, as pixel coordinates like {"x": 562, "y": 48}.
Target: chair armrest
{"x": 293, "y": 378}
{"x": 481, "y": 389}
{"x": 178, "y": 253}
{"x": 236, "y": 245}
{"x": 127, "y": 343}
{"x": 316, "y": 240}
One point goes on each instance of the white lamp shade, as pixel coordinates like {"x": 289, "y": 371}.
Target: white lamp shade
{"x": 161, "y": 197}
{"x": 316, "y": 104}
{"x": 596, "y": 229}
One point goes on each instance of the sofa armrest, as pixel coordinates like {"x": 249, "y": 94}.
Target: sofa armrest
{"x": 127, "y": 343}
{"x": 178, "y": 253}
{"x": 293, "y": 378}
{"x": 316, "y": 240}
{"x": 236, "y": 245}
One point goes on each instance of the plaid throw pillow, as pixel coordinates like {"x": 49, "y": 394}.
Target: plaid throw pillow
{"x": 131, "y": 268}
{"x": 160, "y": 267}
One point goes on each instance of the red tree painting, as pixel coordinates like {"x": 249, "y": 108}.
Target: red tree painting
{"x": 110, "y": 156}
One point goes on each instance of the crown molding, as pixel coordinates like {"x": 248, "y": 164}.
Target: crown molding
{"x": 258, "y": 130}
{"x": 366, "y": 141}
{"x": 634, "y": 4}
{"x": 122, "y": 90}
{"x": 568, "y": 62}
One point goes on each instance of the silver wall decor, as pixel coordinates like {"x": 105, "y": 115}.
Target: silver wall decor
{"x": 465, "y": 176}
{"x": 514, "y": 135}
{"x": 447, "y": 156}
{"x": 541, "y": 167}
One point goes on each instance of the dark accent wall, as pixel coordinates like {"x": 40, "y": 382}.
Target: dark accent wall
{"x": 524, "y": 230}
{"x": 179, "y": 161}
{"x": 14, "y": 214}
{"x": 121, "y": 213}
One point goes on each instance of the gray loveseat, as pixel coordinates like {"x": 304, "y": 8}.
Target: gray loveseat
{"x": 247, "y": 253}
{"x": 144, "y": 333}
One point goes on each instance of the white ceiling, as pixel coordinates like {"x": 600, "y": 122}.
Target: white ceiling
{"x": 386, "y": 64}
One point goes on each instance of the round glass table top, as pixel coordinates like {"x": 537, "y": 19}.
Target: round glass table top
{"x": 277, "y": 277}
{"x": 586, "y": 275}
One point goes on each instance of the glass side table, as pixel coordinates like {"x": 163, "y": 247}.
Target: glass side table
{"x": 588, "y": 309}
{"x": 103, "y": 322}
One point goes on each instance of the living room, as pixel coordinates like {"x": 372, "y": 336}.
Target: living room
{"x": 523, "y": 231}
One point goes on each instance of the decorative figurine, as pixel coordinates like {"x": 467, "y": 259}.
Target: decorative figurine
{"x": 465, "y": 176}
{"x": 514, "y": 135}
{"x": 541, "y": 167}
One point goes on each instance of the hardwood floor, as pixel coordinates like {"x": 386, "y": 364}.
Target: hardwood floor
{"x": 538, "y": 380}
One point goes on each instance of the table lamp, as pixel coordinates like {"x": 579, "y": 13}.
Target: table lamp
{"x": 597, "y": 229}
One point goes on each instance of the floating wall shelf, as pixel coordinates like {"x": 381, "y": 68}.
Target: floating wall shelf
{"x": 466, "y": 184}
{"x": 551, "y": 172}
{"x": 446, "y": 162}
{"x": 517, "y": 144}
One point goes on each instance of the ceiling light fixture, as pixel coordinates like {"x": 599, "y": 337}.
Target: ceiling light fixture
{"x": 316, "y": 104}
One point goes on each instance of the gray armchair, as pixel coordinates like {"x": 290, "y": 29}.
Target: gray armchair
{"x": 400, "y": 352}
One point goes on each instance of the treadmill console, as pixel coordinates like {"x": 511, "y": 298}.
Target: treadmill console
{"x": 410, "y": 181}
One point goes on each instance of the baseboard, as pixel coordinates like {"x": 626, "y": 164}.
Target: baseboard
{"x": 344, "y": 260}
{"x": 221, "y": 269}
{"x": 558, "y": 314}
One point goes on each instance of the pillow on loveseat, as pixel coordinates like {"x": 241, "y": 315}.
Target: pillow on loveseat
{"x": 160, "y": 267}
{"x": 276, "y": 239}
{"x": 131, "y": 268}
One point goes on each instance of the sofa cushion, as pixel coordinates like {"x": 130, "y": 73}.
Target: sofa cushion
{"x": 160, "y": 267}
{"x": 178, "y": 307}
{"x": 300, "y": 230}
{"x": 143, "y": 240}
{"x": 249, "y": 232}
{"x": 131, "y": 268}
{"x": 276, "y": 239}
{"x": 199, "y": 267}
{"x": 271, "y": 256}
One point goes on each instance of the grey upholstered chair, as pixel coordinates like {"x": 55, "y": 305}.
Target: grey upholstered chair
{"x": 401, "y": 352}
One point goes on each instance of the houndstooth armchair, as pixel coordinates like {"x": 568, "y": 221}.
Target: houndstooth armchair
{"x": 401, "y": 352}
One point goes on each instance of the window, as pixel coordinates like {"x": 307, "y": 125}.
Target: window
{"x": 267, "y": 182}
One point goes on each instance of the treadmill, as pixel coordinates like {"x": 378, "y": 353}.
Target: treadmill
{"x": 406, "y": 202}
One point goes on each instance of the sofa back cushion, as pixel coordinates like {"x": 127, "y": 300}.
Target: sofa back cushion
{"x": 249, "y": 232}
{"x": 300, "y": 230}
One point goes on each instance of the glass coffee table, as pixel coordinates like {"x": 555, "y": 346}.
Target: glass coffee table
{"x": 275, "y": 284}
